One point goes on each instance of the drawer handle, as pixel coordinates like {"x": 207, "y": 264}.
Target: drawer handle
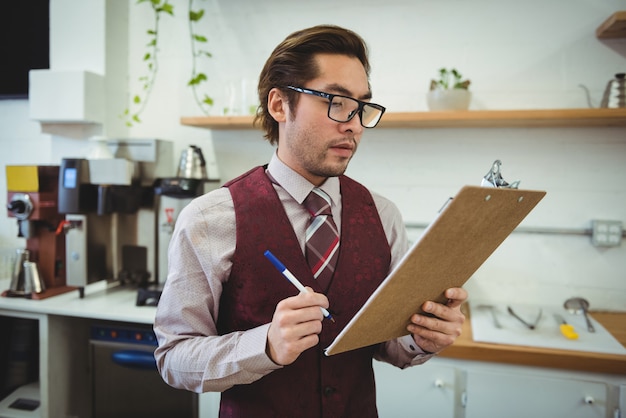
{"x": 134, "y": 359}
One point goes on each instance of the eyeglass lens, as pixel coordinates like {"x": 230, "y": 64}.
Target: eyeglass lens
{"x": 342, "y": 109}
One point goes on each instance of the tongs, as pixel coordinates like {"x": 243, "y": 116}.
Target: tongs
{"x": 528, "y": 325}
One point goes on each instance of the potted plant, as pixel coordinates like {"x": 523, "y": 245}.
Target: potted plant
{"x": 449, "y": 92}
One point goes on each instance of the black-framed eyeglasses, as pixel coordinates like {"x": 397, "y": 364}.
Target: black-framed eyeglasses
{"x": 343, "y": 108}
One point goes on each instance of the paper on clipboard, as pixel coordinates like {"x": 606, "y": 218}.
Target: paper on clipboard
{"x": 466, "y": 232}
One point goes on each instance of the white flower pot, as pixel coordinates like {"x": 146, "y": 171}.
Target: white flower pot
{"x": 455, "y": 99}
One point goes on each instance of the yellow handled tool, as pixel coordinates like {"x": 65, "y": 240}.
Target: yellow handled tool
{"x": 566, "y": 329}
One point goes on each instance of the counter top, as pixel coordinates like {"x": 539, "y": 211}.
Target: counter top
{"x": 101, "y": 301}
{"x": 117, "y": 303}
{"x": 465, "y": 348}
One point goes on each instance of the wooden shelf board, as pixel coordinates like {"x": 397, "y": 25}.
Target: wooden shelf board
{"x": 613, "y": 27}
{"x": 219, "y": 122}
{"x": 456, "y": 119}
{"x": 506, "y": 118}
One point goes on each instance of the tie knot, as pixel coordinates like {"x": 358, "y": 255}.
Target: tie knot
{"x": 317, "y": 203}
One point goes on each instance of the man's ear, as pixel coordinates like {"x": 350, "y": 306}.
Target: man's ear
{"x": 277, "y": 105}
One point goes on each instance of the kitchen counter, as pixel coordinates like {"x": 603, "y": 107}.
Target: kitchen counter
{"x": 102, "y": 301}
{"x": 465, "y": 348}
{"x": 117, "y": 303}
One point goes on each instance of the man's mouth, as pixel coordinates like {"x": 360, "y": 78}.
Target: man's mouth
{"x": 343, "y": 150}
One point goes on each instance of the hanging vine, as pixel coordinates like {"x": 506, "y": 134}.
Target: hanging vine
{"x": 198, "y": 42}
{"x": 139, "y": 101}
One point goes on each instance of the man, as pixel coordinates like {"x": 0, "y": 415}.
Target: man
{"x": 227, "y": 320}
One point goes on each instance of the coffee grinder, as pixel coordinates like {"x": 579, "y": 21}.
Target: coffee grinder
{"x": 32, "y": 198}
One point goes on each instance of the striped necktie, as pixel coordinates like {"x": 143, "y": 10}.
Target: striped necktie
{"x": 322, "y": 237}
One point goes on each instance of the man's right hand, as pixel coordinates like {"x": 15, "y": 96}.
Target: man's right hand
{"x": 295, "y": 326}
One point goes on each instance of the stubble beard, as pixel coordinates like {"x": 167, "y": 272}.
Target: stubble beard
{"x": 318, "y": 165}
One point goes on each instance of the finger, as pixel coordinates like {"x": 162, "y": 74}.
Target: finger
{"x": 433, "y": 343}
{"x": 440, "y": 311}
{"x": 304, "y": 300}
{"x": 444, "y": 318}
{"x": 290, "y": 312}
{"x": 456, "y": 296}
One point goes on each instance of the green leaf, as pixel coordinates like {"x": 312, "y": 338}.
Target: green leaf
{"x": 136, "y": 118}
{"x": 195, "y": 16}
{"x": 207, "y": 53}
{"x": 152, "y": 42}
{"x": 136, "y": 99}
{"x": 199, "y": 78}
{"x": 200, "y": 38}
{"x": 147, "y": 56}
{"x": 167, "y": 8}
{"x": 151, "y": 32}
{"x": 207, "y": 100}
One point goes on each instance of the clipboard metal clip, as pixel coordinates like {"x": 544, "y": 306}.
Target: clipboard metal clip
{"x": 493, "y": 178}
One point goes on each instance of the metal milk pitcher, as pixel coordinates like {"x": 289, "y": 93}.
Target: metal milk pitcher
{"x": 192, "y": 164}
{"x": 615, "y": 92}
{"x": 19, "y": 286}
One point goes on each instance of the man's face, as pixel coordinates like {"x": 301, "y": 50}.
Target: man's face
{"x": 309, "y": 141}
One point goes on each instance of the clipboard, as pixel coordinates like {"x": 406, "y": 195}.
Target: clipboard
{"x": 466, "y": 232}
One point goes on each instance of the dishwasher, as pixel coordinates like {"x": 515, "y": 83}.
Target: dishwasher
{"x": 124, "y": 378}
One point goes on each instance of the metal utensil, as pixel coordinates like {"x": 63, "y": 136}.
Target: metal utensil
{"x": 579, "y": 306}
{"x": 566, "y": 329}
{"x": 528, "y": 325}
{"x": 492, "y": 309}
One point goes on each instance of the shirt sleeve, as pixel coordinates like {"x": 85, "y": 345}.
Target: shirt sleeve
{"x": 402, "y": 352}
{"x": 191, "y": 355}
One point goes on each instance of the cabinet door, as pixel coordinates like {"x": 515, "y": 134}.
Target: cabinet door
{"x": 513, "y": 395}
{"x": 428, "y": 390}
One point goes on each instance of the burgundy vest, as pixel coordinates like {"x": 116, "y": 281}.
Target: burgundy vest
{"x": 314, "y": 385}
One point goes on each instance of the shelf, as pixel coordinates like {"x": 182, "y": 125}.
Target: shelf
{"x": 613, "y": 27}
{"x": 459, "y": 119}
{"x": 219, "y": 122}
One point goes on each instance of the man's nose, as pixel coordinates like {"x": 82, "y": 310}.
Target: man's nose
{"x": 354, "y": 124}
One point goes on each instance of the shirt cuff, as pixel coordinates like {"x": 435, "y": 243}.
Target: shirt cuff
{"x": 251, "y": 351}
{"x": 408, "y": 343}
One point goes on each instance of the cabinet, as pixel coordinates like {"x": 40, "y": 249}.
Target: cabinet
{"x": 429, "y": 390}
{"x": 516, "y": 394}
{"x": 468, "y": 389}
{"x": 62, "y": 386}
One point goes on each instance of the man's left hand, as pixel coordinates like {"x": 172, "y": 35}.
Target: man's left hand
{"x": 433, "y": 334}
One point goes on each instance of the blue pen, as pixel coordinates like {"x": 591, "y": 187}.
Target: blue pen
{"x": 289, "y": 276}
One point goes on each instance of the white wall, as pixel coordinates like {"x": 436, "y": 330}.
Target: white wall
{"x": 519, "y": 55}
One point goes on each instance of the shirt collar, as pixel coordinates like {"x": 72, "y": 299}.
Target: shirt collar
{"x": 296, "y": 185}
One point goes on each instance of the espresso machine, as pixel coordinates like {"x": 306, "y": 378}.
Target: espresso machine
{"x": 110, "y": 213}
{"x": 32, "y": 199}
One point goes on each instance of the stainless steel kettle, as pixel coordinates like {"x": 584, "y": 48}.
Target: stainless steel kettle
{"x": 614, "y": 93}
{"x": 192, "y": 164}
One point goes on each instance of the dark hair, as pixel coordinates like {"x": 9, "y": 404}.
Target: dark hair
{"x": 292, "y": 63}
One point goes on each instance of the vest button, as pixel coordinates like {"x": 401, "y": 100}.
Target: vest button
{"x": 329, "y": 390}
